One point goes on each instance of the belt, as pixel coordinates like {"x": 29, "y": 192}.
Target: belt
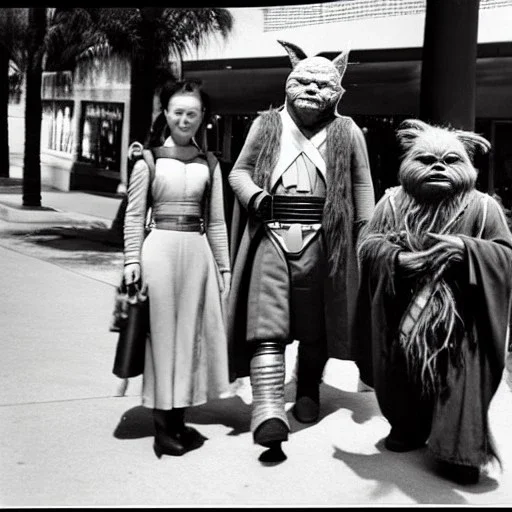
{"x": 297, "y": 209}
{"x": 179, "y": 223}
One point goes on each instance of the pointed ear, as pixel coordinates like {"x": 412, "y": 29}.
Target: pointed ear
{"x": 473, "y": 142}
{"x": 340, "y": 62}
{"x": 408, "y": 131}
{"x": 294, "y": 52}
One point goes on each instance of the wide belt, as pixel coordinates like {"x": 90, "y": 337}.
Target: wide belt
{"x": 294, "y": 209}
{"x": 179, "y": 223}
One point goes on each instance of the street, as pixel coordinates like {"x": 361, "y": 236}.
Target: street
{"x": 68, "y": 440}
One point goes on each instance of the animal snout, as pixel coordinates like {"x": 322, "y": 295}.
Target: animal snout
{"x": 438, "y": 167}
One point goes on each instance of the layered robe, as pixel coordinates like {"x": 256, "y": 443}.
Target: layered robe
{"x": 337, "y": 163}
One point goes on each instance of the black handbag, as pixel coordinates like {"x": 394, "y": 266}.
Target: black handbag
{"x": 133, "y": 332}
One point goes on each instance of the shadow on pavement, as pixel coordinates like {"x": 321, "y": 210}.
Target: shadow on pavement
{"x": 363, "y": 405}
{"x": 232, "y": 412}
{"x": 94, "y": 238}
{"x": 412, "y": 473}
{"x": 135, "y": 423}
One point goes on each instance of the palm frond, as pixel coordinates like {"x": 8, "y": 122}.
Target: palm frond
{"x": 13, "y": 28}
{"x": 183, "y": 30}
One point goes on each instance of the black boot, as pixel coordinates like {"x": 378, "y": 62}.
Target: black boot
{"x": 172, "y": 436}
{"x": 168, "y": 437}
{"x": 311, "y": 362}
{"x": 190, "y": 437}
{"x": 397, "y": 441}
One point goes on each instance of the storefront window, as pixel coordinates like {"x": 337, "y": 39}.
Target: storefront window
{"x": 226, "y": 134}
{"x": 56, "y": 126}
{"x": 100, "y": 141}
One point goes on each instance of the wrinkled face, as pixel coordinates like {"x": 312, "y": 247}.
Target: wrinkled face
{"x": 436, "y": 166}
{"x": 184, "y": 114}
{"x": 313, "y": 85}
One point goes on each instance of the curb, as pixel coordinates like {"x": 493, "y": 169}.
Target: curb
{"x": 43, "y": 215}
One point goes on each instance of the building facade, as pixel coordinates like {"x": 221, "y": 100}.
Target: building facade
{"x": 85, "y": 125}
{"x": 247, "y": 73}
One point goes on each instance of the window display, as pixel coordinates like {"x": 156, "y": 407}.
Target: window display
{"x": 56, "y": 126}
{"x": 101, "y": 129}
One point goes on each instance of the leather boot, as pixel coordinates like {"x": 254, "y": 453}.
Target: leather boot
{"x": 190, "y": 437}
{"x": 168, "y": 437}
{"x": 311, "y": 362}
{"x": 269, "y": 422}
{"x": 173, "y": 437}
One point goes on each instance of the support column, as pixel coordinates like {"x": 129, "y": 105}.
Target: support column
{"x": 448, "y": 75}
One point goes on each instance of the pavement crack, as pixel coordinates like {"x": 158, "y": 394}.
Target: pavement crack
{"x": 64, "y": 400}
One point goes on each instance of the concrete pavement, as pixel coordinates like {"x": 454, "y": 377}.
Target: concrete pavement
{"x": 67, "y": 440}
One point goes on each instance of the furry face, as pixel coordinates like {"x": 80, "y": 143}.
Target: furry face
{"x": 437, "y": 161}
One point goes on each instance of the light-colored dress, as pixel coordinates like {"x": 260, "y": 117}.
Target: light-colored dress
{"x": 186, "y": 354}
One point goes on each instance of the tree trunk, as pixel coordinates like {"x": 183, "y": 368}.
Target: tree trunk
{"x": 4, "y": 113}
{"x": 448, "y": 75}
{"x": 33, "y": 108}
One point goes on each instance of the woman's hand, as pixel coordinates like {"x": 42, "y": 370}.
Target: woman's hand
{"x": 131, "y": 273}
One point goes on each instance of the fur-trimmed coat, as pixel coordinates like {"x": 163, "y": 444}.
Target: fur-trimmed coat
{"x": 349, "y": 203}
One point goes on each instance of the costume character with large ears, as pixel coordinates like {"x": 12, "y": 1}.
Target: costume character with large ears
{"x": 434, "y": 303}
{"x": 304, "y": 181}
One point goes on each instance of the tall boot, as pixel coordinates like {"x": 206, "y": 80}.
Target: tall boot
{"x": 168, "y": 428}
{"x": 311, "y": 362}
{"x": 191, "y": 438}
{"x": 269, "y": 422}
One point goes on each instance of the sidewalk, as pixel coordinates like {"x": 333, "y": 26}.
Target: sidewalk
{"x": 67, "y": 440}
{"x": 72, "y": 207}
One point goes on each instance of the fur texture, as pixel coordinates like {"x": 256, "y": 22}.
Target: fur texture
{"x": 437, "y": 179}
{"x": 338, "y": 203}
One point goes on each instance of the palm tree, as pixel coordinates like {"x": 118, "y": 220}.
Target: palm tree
{"x": 36, "y": 31}
{"x": 13, "y": 24}
{"x": 147, "y": 36}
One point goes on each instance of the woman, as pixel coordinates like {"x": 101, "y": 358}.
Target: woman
{"x": 184, "y": 262}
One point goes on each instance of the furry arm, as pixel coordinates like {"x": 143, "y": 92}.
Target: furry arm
{"x": 375, "y": 247}
{"x": 216, "y": 230}
{"x": 136, "y": 210}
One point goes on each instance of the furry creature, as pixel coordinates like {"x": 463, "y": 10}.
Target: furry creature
{"x": 437, "y": 176}
{"x": 435, "y": 260}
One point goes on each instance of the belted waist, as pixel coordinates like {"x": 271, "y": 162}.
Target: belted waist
{"x": 179, "y": 222}
{"x": 297, "y": 209}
